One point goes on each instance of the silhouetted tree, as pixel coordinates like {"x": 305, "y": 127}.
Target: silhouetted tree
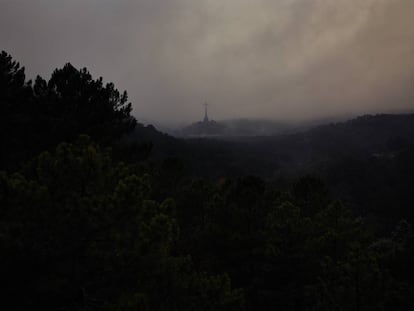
{"x": 74, "y": 103}
{"x": 71, "y": 103}
{"x": 15, "y": 110}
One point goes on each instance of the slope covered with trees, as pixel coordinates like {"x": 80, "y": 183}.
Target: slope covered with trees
{"x": 98, "y": 212}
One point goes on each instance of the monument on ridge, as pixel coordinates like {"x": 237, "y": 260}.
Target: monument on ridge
{"x": 205, "y": 113}
{"x": 206, "y": 127}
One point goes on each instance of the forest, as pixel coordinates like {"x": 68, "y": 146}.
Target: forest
{"x": 100, "y": 212}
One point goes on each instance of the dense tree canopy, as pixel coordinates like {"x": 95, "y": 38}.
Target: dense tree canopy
{"x": 71, "y": 103}
{"x": 79, "y": 104}
{"x": 89, "y": 222}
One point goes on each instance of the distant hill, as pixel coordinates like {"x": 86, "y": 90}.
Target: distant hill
{"x": 256, "y": 127}
{"x": 367, "y": 161}
{"x": 275, "y": 147}
{"x": 363, "y": 137}
{"x": 204, "y": 128}
{"x": 235, "y": 128}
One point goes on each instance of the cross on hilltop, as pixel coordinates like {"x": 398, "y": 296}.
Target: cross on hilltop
{"x": 205, "y": 112}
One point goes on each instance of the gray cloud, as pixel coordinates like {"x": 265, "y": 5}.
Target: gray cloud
{"x": 283, "y": 59}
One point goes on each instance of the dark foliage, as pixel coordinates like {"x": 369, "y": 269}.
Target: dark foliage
{"x": 71, "y": 103}
{"x": 94, "y": 219}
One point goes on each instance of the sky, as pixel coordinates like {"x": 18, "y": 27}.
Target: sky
{"x": 272, "y": 59}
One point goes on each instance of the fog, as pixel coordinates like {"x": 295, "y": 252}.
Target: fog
{"x": 273, "y": 59}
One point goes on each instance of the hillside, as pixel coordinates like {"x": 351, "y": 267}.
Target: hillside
{"x": 367, "y": 160}
{"x": 99, "y": 212}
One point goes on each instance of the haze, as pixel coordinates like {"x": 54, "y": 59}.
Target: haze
{"x": 279, "y": 59}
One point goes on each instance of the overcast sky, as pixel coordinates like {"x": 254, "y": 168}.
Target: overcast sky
{"x": 280, "y": 59}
